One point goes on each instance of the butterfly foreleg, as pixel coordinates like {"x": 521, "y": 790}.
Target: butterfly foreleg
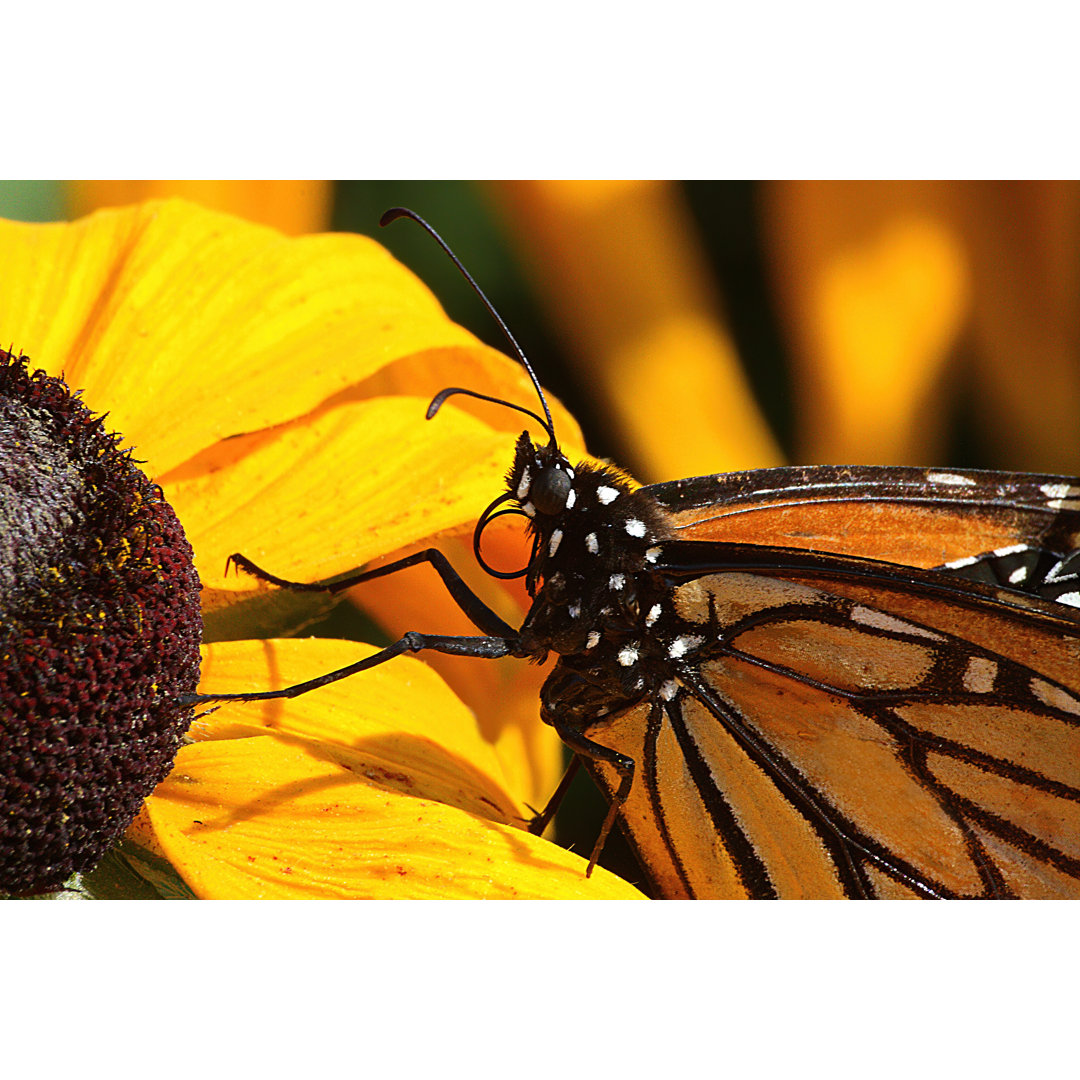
{"x": 482, "y": 647}
{"x": 478, "y": 613}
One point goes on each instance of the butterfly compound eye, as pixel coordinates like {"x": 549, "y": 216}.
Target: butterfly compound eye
{"x": 549, "y": 491}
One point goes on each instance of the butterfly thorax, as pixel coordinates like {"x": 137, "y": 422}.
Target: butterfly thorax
{"x": 596, "y": 540}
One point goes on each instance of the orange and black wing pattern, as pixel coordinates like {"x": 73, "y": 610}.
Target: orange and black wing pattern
{"x": 841, "y": 721}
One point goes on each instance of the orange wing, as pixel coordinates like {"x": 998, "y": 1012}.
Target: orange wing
{"x": 917, "y": 517}
{"x": 851, "y": 729}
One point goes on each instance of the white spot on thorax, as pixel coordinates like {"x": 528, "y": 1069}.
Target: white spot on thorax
{"x": 523, "y": 486}
{"x": 606, "y": 494}
{"x": 652, "y": 554}
{"x": 574, "y": 611}
{"x": 669, "y": 689}
{"x": 682, "y": 645}
{"x": 654, "y": 614}
{"x": 591, "y": 544}
{"x": 635, "y": 528}
{"x": 553, "y": 543}
{"x": 954, "y": 479}
{"x": 616, "y": 581}
{"x": 628, "y": 655}
{"x": 529, "y": 509}
{"x": 592, "y": 640}
{"x": 571, "y": 498}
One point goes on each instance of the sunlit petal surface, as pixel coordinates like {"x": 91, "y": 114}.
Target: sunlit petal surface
{"x": 167, "y": 309}
{"x": 380, "y": 789}
{"x": 293, "y": 206}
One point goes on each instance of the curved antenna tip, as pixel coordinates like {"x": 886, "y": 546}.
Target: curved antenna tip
{"x": 393, "y": 214}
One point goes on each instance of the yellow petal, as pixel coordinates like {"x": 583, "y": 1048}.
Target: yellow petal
{"x": 166, "y": 308}
{"x": 321, "y": 496}
{"x": 354, "y": 790}
{"x": 398, "y": 719}
{"x": 293, "y": 206}
{"x": 876, "y": 285}
{"x": 256, "y": 818}
{"x": 618, "y": 264}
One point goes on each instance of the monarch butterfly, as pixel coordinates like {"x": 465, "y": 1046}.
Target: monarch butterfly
{"x": 795, "y": 682}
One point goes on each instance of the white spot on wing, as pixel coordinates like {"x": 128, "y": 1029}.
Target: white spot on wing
{"x": 1055, "y": 572}
{"x": 980, "y": 674}
{"x": 574, "y": 611}
{"x": 635, "y": 528}
{"x": 553, "y": 543}
{"x": 592, "y": 640}
{"x": 880, "y": 621}
{"x": 953, "y": 479}
{"x": 628, "y": 655}
{"x": 652, "y": 554}
{"x": 1054, "y": 696}
{"x": 1059, "y": 491}
{"x": 606, "y": 494}
{"x": 654, "y": 614}
{"x": 1018, "y": 575}
{"x": 591, "y": 545}
{"x": 967, "y": 560}
{"x": 1070, "y": 598}
{"x": 669, "y": 689}
{"x": 616, "y": 581}
{"x": 1012, "y": 549}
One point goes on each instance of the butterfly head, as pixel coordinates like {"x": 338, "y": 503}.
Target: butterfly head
{"x": 541, "y": 479}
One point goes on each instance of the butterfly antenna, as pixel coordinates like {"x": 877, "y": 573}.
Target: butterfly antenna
{"x": 399, "y": 212}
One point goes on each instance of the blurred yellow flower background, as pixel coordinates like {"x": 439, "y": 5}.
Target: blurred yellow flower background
{"x": 907, "y": 323}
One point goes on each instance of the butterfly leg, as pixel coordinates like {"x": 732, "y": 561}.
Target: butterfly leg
{"x": 474, "y": 608}
{"x": 584, "y": 747}
{"x": 541, "y": 821}
{"x": 483, "y": 647}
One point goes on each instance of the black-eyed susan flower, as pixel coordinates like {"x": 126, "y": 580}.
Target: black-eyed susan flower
{"x": 99, "y": 637}
{"x": 274, "y": 391}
